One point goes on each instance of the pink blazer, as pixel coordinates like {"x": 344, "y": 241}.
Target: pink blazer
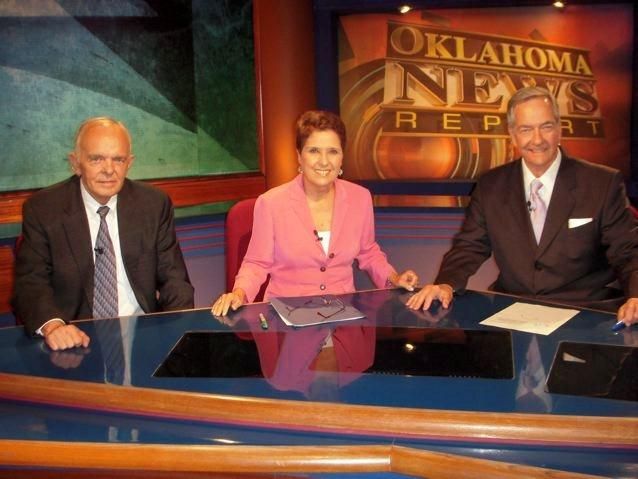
{"x": 288, "y": 359}
{"x": 283, "y": 243}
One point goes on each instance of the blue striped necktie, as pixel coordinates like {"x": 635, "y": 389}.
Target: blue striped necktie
{"x": 105, "y": 280}
{"x": 105, "y": 303}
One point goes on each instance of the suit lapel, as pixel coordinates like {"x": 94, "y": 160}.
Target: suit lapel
{"x": 299, "y": 206}
{"x": 560, "y": 206}
{"x": 76, "y": 227}
{"x": 130, "y": 228}
{"x": 127, "y": 226}
{"x": 518, "y": 208}
{"x": 339, "y": 212}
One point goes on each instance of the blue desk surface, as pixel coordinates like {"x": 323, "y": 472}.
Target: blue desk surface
{"x": 289, "y": 372}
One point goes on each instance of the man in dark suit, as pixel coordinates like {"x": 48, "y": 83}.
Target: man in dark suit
{"x": 571, "y": 240}
{"x": 55, "y": 263}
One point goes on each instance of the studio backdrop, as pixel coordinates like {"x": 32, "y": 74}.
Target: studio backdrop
{"x": 424, "y": 95}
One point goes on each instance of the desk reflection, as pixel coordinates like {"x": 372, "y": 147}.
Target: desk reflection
{"x": 113, "y": 341}
{"x": 314, "y": 361}
{"x": 445, "y": 355}
{"x": 319, "y": 361}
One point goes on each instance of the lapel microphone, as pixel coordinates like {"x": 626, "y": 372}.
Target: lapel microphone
{"x": 98, "y": 250}
{"x": 530, "y": 207}
{"x": 316, "y": 233}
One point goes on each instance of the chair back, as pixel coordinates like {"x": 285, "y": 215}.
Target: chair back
{"x": 239, "y": 226}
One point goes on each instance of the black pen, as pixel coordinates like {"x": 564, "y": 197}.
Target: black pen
{"x": 262, "y": 320}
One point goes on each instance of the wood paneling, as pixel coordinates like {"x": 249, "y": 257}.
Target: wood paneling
{"x": 11, "y": 205}
{"x": 285, "y": 76}
{"x": 183, "y": 192}
{"x": 199, "y": 191}
{"x": 542, "y": 429}
{"x": 263, "y": 459}
{"x": 7, "y": 269}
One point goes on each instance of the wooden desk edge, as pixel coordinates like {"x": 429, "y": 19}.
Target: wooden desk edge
{"x": 405, "y": 423}
{"x": 260, "y": 459}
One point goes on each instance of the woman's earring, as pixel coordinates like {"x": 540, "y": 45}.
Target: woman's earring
{"x": 340, "y": 172}
{"x": 299, "y": 169}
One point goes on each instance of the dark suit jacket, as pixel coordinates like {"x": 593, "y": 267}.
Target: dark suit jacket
{"x": 571, "y": 265}
{"x": 54, "y": 265}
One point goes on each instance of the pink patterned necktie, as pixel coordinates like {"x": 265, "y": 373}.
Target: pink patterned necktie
{"x": 539, "y": 209}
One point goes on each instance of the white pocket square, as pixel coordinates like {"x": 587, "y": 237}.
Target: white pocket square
{"x": 576, "y": 222}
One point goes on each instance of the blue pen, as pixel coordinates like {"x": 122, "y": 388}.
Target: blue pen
{"x": 619, "y": 326}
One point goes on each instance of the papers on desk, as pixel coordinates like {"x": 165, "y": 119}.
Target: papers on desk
{"x": 531, "y": 318}
{"x": 303, "y": 311}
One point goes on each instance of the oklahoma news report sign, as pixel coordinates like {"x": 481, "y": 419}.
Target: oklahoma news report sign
{"x": 441, "y": 95}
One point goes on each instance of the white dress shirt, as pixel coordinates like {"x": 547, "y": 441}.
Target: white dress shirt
{"x": 127, "y": 303}
{"x": 324, "y": 237}
{"x": 548, "y": 179}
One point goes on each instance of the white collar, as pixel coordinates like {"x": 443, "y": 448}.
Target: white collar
{"x": 548, "y": 178}
{"x": 92, "y": 204}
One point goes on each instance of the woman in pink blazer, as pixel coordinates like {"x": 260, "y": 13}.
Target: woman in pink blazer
{"x": 307, "y": 232}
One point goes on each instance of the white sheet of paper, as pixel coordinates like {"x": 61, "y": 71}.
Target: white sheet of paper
{"x": 531, "y": 318}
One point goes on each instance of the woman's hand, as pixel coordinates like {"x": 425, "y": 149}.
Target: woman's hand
{"x": 407, "y": 280}
{"x": 227, "y": 301}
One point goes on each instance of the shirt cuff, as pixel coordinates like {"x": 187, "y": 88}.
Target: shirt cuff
{"x": 39, "y": 330}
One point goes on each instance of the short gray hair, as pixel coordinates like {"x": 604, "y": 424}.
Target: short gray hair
{"x": 101, "y": 120}
{"x": 526, "y": 94}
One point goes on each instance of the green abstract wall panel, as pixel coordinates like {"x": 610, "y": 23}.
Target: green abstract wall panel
{"x": 180, "y": 74}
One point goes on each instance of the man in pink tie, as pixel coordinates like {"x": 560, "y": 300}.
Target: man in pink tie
{"x": 560, "y": 229}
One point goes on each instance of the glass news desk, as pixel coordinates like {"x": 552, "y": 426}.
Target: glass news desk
{"x": 396, "y": 394}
